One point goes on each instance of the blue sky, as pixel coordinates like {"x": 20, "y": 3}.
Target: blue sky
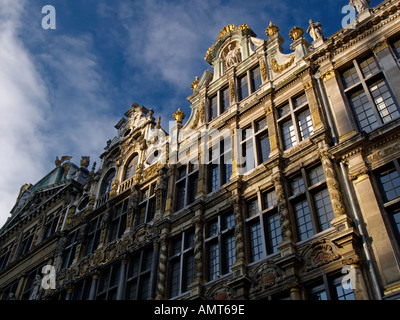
{"x": 63, "y": 90}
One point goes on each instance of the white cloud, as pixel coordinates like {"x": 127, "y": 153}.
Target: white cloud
{"x": 23, "y": 105}
{"x": 53, "y": 102}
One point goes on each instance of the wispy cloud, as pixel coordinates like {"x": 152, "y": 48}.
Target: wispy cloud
{"x": 53, "y": 101}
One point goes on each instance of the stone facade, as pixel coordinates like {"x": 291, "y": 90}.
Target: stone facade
{"x": 284, "y": 183}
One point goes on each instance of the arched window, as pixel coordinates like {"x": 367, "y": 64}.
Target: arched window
{"x": 131, "y": 168}
{"x": 106, "y": 184}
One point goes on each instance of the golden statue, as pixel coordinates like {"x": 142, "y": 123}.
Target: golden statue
{"x": 58, "y": 162}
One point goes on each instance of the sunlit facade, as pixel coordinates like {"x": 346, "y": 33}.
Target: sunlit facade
{"x": 282, "y": 183}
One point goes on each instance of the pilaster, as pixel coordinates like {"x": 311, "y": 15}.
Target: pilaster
{"x": 340, "y": 112}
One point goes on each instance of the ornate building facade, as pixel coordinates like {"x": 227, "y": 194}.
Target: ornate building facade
{"x": 284, "y": 182}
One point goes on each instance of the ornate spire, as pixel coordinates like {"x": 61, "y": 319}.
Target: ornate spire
{"x": 179, "y": 116}
{"x": 271, "y": 30}
{"x": 296, "y": 33}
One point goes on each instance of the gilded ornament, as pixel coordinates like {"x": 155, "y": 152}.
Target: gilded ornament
{"x": 179, "y": 116}
{"x": 279, "y": 68}
{"x": 271, "y": 30}
{"x": 195, "y": 83}
{"x": 85, "y": 161}
{"x": 263, "y": 69}
{"x": 380, "y": 46}
{"x": 328, "y": 75}
{"x": 296, "y": 33}
{"x": 58, "y": 162}
{"x": 225, "y": 30}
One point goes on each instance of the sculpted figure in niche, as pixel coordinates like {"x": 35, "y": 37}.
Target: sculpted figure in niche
{"x": 232, "y": 57}
{"x": 315, "y": 30}
{"x": 360, "y": 5}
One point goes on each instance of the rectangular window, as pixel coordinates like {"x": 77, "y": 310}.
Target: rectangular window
{"x": 388, "y": 180}
{"x": 243, "y": 87}
{"x": 138, "y": 275}
{"x": 303, "y": 220}
{"x": 288, "y": 134}
{"x": 264, "y": 147}
{"x": 310, "y": 202}
{"x": 147, "y": 205}
{"x": 118, "y": 223}
{"x": 93, "y": 235}
{"x": 264, "y": 226}
{"x": 51, "y": 225}
{"x": 273, "y": 231}
{"x": 70, "y": 249}
{"x": 219, "y": 167}
{"x": 369, "y": 95}
{"x": 108, "y": 283}
{"x": 82, "y": 289}
{"x": 255, "y": 78}
{"x": 26, "y": 243}
{"x": 224, "y": 99}
{"x": 329, "y": 288}
{"x": 4, "y": 258}
{"x": 213, "y": 107}
{"x": 186, "y": 185}
{"x": 295, "y": 121}
{"x": 181, "y": 263}
{"x": 256, "y": 242}
{"x": 305, "y": 124}
{"x": 220, "y": 244}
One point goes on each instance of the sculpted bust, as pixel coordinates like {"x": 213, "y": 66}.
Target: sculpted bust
{"x": 315, "y": 30}
{"x": 360, "y": 5}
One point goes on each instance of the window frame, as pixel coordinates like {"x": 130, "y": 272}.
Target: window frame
{"x": 189, "y": 181}
{"x": 93, "y": 233}
{"x": 143, "y": 273}
{"x": 180, "y": 258}
{"x": 106, "y": 182}
{"x": 218, "y": 237}
{"x": 269, "y": 209}
{"x": 148, "y": 202}
{"x": 389, "y": 207}
{"x": 119, "y": 220}
{"x": 219, "y": 160}
{"x": 364, "y": 86}
{"x": 328, "y": 284}
{"x": 311, "y": 189}
{"x": 292, "y": 115}
{"x": 130, "y": 168}
{"x": 109, "y": 290}
{"x": 70, "y": 249}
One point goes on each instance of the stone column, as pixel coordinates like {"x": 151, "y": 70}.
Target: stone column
{"x": 93, "y": 286}
{"x": 241, "y": 264}
{"x": 313, "y": 103}
{"x": 341, "y": 220}
{"x": 378, "y": 239}
{"x": 105, "y": 221}
{"x": 197, "y": 285}
{"x": 388, "y": 63}
{"x": 342, "y": 114}
{"x": 154, "y": 268}
{"x": 162, "y": 266}
{"x": 235, "y": 153}
{"x": 171, "y": 188}
{"x": 132, "y": 206}
{"x": 287, "y": 246}
{"x": 272, "y": 125}
{"x": 122, "y": 278}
